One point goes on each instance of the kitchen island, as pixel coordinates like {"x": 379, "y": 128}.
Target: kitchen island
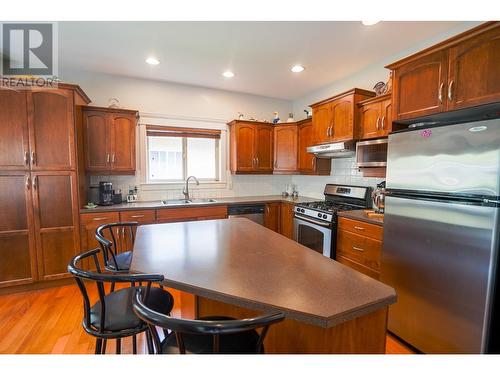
{"x": 241, "y": 269}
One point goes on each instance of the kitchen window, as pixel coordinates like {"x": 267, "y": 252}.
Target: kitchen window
{"x": 174, "y": 153}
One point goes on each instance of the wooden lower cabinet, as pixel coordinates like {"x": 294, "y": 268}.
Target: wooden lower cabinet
{"x": 359, "y": 246}
{"x": 171, "y": 215}
{"x": 287, "y": 219}
{"x": 272, "y": 214}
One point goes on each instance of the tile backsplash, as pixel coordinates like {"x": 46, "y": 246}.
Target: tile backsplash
{"x": 343, "y": 171}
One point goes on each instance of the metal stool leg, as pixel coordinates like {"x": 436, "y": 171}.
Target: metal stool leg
{"x": 104, "y": 341}
{"x": 98, "y": 346}
{"x": 118, "y": 346}
{"x": 134, "y": 344}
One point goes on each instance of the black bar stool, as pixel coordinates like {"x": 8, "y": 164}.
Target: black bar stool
{"x": 116, "y": 241}
{"x": 215, "y": 334}
{"x": 112, "y": 315}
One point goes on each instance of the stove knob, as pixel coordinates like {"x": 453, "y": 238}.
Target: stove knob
{"x": 303, "y": 210}
{"x": 319, "y": 215}
{"x": 324, "y": 216}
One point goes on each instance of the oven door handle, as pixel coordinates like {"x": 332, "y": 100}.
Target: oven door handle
{"x": 312, "y": 221}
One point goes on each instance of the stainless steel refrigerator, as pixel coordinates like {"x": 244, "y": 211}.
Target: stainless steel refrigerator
{"x": 440, "y": 244}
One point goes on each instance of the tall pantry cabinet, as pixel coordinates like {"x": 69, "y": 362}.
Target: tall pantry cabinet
{"x": 39, "y": 223}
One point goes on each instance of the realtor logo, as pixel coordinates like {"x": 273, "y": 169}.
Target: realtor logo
{"x": 29, "y": 49}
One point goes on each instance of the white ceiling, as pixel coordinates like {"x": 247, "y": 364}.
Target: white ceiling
{"x": 259, "y": 53}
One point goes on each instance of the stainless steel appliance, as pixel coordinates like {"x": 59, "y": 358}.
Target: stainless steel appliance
{"x": 105, "y": 193}
{"x": 378, "y": 198}
{"x": 441, "y": 235}
{"x": 334, "y": 150}
{"x": 315, "y": 223}
{"x": 371, "y": 153}
{"x": 254, "y": 212}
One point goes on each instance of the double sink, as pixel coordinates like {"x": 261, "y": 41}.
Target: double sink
{"x": 174, "y": 202}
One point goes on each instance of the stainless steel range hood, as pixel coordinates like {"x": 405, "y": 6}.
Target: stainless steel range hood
{"x": 334, "y": 150}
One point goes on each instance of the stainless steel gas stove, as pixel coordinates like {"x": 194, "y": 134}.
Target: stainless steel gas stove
{"x": 315, "y": 223}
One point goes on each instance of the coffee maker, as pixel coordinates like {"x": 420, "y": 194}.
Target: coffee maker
{"x": 105, "y": 193}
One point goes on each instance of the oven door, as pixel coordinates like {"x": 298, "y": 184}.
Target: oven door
{"x": 313, "y": 234}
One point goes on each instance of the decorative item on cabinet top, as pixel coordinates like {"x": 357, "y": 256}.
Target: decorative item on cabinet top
{"x": 109, "y": 140}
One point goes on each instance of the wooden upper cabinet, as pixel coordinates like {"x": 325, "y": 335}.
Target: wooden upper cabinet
{"x": 14, "y": 143}
{"x": 97, "y": 149}
{"x": 17, "y": 244}
{"x": 285, "y": 148}
{"x": 109, "y": 136}
{"x": 307, "y": 162}
{"x": 334, "y": 119}
{"x": 420, "y": 86}
{"x": 322, "y": 123}
{"x": 52, "y": 129}
{"x": 122, "y": 142}
{"x": 264, "y": 148}
{"x": 251, "y": 147}
{"x": 375, "y": 117}
{"x": 474, "y": 71}
{"x": 460, "y": 72}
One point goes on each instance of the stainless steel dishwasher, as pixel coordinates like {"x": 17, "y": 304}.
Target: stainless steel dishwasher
{"x": 254, "y": 212}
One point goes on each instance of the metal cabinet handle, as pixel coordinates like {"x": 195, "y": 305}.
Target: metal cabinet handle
{"x": 440, "y": 93}
{"x": 26, "y": 157}
{"x": 359, "y": 228}
{"x": 98, "y": 218}
{"x": 33, "y": 158}
{"x": 113, "y": 159}
{"x": 276, "y": 164}
{"x": 257, "y": 161}
{"x": 28, "y": 183}
{"x": 357, "y": 248}
{"x": 136, "y": 216}
{"x": 107, "y": 158}
{"x": 35, "y": 182}
{"x": 378, "y": 123}
{"x": 382, "y": 123}
{"x": 450, "y": 90}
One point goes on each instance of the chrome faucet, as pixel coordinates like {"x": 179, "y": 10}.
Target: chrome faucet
{"x": 185, "y": 191}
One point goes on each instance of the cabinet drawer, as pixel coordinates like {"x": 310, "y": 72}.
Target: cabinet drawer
{"x": 362, "y": 228}
{"x": 358, "y": 267}
{"x": 99, "y": 218}
{"x": 361, "y": 249}
{"x": 189, "y": 214}
{"x": 142, "y": 217}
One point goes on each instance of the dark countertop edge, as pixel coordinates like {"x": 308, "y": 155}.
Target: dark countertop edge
{"x": 155, "y": 205}
{"x": 323, "y": 322}
{"x": 356, "y": 215}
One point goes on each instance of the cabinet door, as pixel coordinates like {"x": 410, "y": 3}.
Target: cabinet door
{"x": 287, "y": 214}
{"x": 17, "y": 245}
{"x": 419, "y": 86}
{"x": 56, "y": 221}
{"x": 386, "y": 120}
{"x": 322, "y": 123}
{"x": 343, "y": 119}
{"x": 52, "y": 132}
{"x": 264, "y": 148}
{"x": 245, "y": 147}
{"x": 272, "y": 216}
{"x": 88, "y": 225}
{"x": 305, "y": 139}
{"x": 370, "y": 118}
{"x": 285, "y": 148}
{"x": 474, "y": 71}
{"x": 14, "y": 144}
{"x": 122, "y": 142}
{"x": 97, "y": 145}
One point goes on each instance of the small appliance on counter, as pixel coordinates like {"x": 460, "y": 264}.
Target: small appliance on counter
{"x": 93, "y": 194}
{"x": 105, "y": 193}
{"x": 132, "y": 195}
{"x": 378, "y": 198}
{"x": 117, "y": 196}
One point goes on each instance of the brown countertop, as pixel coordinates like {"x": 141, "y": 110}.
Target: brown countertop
{"x": 152, "y": 205}
{"x": 243, "y": 263}
{"x": 360, "y": 215}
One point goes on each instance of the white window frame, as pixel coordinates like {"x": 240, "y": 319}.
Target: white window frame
{"x": 169, "y": 121}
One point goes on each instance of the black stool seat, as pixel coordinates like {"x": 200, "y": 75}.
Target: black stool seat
{"x": 234, "y": 343}
{"x": 119, "y": 313}
{"x": 123, "y": 261}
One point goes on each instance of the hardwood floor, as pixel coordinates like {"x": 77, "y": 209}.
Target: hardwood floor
{"x": 50, "y": 321}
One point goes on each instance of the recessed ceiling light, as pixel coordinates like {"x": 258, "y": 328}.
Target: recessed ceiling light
{"x": 152, "y": 61}
{"x": 369, "y": 23}
{"x": 228, "y": 74}
{"x": 297, "y": 68}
